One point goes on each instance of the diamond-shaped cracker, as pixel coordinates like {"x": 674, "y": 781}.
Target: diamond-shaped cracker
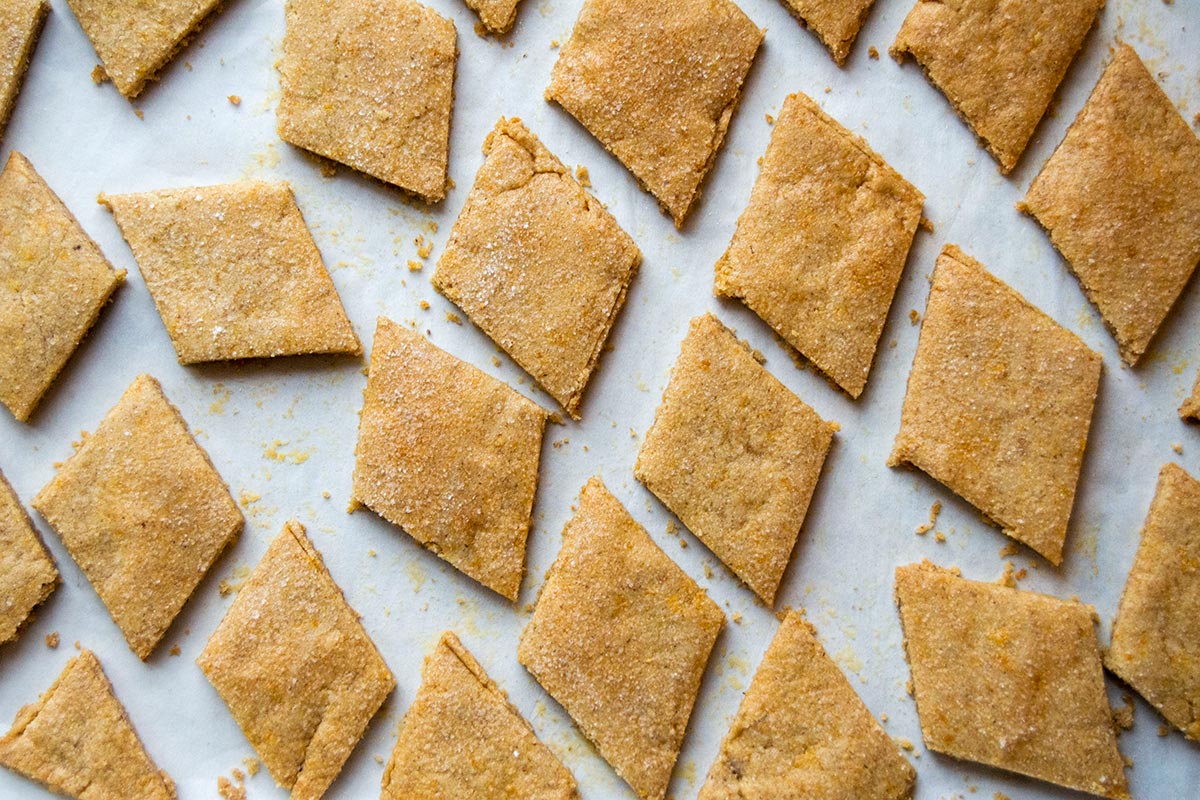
{"x": 820, "y": 248}
{"x": 657, "y": 82}
{"x": 835, "y": 22}
{"x": 1009, "y": 678}
{"x": 53, "y": 282}
{"x": 233, "y": 271}
{"x": 78, "y": 741}
{"x": 20, "y": 23}
{"x": 293, "y": 663}
{"x": 1156, "y": 635}
{"x": 802, "y": 731}
{"x": 999, "y": 403}
{"x": 370, "y": 83}
{"x": 450, "y": 454}
{"x": 462, "y": 740}
{"x": 497, "y": 16}
{"x": 537, "y": 263}
{"x": 620, "y": 637}
{"x": 734, "y": 454}
{"x": 27, "y": 573}
{"x": 998, "y": 63}
{"x": 1120, "y": 199}
{"x": 142, "y": 511}
{"x": 136, "y": 38}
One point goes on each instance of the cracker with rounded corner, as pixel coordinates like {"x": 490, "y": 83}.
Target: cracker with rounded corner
{"x": 620, "y": 637}
{"x": 802, "y": 731}
{"x": 234, "y": 271}
{"x": 54, "y": 281}
{"x": 1120, "y": 200}
{"x": 27, "y": 572}
{"x": 835, "y": 22}
{"x": 1009, "y": 678}
{"x": 497, "y": 16}
{"x": 370, "y": 84}
{"x": 1189, "y": 411}
{"x": 77, "y": 740}
{"x": 142, "y": 511}
{"x": 657, "y": 83}
{"x": 1156, "y": 635}
{"x": 296, "y": 668}
{"x": 821, "y": 246}
{"x": 735, "y": 455}
{"x": 538, "y": 263}
{"x": 998, "y": 63}
{"x": 998, "y": 404}
{"x": 461, "y": 739}
{"x": 449, "y": 454}
{"x": 20, "y": 25}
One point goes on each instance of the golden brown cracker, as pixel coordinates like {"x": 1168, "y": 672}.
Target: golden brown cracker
{"x": 835, "y": 22}
{"x": 27, "y": 572}
{"x": 497, "y": 16}
{"x": 20, "y": 24}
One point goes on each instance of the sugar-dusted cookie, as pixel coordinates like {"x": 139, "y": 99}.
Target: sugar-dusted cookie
{"x": 1120, "y": 199}
{"x": 1009, "y": 678}
{"x": 77, "y": 740}
{"x": 20, "y": 24}
{"x": 998, "y": 63}
{"x": 27, "y": 573}
{"x": 819, "y": 250}
{"x": 1156, "y": 635}
{"x": 537, "y": 263}
{"x": 370, "y": 83}
{"x": 450, "y": 454}
{"x": 233, "y": 271}
{"x": 835, "y": 22}
{"x": 462, "y": 740}
{"x": 999, "y": 404}
{"x": 293, "y": 663}
{"x": 620, "y": 637}
{"x": 657, "y": 81}
{"x": 53, "y": 282}
{"x": 142, "y": 511}
{"x": 497, "y": 16}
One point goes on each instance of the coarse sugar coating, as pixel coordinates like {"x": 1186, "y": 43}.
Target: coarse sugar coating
{"x": 835, "y": 22}
{"x": 20, "y": 24}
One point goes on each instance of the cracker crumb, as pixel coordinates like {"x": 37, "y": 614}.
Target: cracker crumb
{"x": 1000, "y": 796}
{"x": 496, "y": 361}
{"x": 415, "y": 266}
{"x": 736, "y": 617}
{"x": 137, "y": 112}
{"x": 873, "y": 53}
{"x": 251, "y": 765}
{"x": 424, "y": 248}
{"x": 424, "y": 304}
{"x": 328, "y": 169}
{"x": 914, "y": 316}
{"x": 683, "y": 544}
{"x": 828, "y": 89}
{"x": 175, "y": 651}
{"x": 905, "y": 744}
{"x": 246, "y": 498}
{"x": 99, "y": 76}
{"x": 326, "y": 495}
{"x": 926, "y": 224}
{"x": 1163, "y": 730}
{"x": 228, "y": 791}
{"x": 1009, "y": 549}
{"x": 934, "y": 510}
{"x": 554, "y": 44}
{"x": 378, "y": 758}
{"x": 452, "y": 317}
{"x": 52, "y": 640}
{"x": 1177, "y": 447}
{"x": 1123, "y": 714}
{"x": 939, "y": 536}
{"x": 235, "y": 99}
{"x": 770, "y": 120}
{"x": 582, "y": 176}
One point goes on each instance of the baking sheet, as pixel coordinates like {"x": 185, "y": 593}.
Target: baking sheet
{"x": 283, "y": 431}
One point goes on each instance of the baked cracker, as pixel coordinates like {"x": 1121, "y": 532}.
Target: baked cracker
{"x": 20, "y": 25}
{"x": 27, "y": 572}
{"x": 497, "y": 16}
{"x": 835, "y": 22}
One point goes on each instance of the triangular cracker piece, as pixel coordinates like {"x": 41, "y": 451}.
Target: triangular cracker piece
{"x": 537, "y": 263}
{"x": 1120, "y": 199}
{"x": 620, "y": 637}
{"x": 820, "y": 248}
{"x": 734, "y": 454}
{"x": 462, "y": 740}
{"x": 1156, "y": 635}
{"x": 1190, "y": 409}
{"x": 142, "y": 511}
{"x": 449, "y": 454}
{"x": 233, "y": 271}
{"x": 999, "y": 403}
{"x": 835, "y": 22}
{"x": 53, "y": 282}
{"x": 27, "y": 573}
{"x": 370, "y": 83}
{"x": 802, "y": 731}
{"x": 78, "y": 741}
{"x": 497, "y": 16}
{"x": 136, "y": 38}
{"x": 20, "y": 23}
{"x": 1009, "y": 678}
{"x": 293, "y": 663}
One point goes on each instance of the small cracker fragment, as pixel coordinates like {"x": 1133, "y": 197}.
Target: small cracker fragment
{"x": 450, "y": 454}
{"x": 1009, "y": 678}
{"x": 293, "y": 663}
{"x": 1120, "y": 199}
{"x": 234, "y": 271}
{"x": 1190, "y": 410}
{"x": 620, "y": 637}
{"x": 136, "y": 39}
{"x": 835, "y": 22}
{"x": 20, "y": 25}
{"x": 53, "y": 283}
{"x": 461, "y": 739}
{"x": 537, "y": 263}
{"x": 802, "y": 731}
{"x": 1156, "y": 635}
{"x": 657, "y": 82}
{"x": 998, "y": 63}
{"x": 820, "y": 248}
{"x": 370, "y": 83}
{"x": 497, "y": 16}
{"x": 734, "y": 454}
{"x": 999, "y": 403}
{"x": 77, "y": 740}
{"x": 143, "y": 512}
{"x": 27, "y": 572}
